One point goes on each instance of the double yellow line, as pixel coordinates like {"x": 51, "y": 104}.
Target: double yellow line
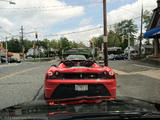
{"x": 20, "y": 72}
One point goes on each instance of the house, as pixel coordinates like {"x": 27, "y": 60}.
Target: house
{"x": 35, "y": 51}
{"x": 132, "y": 50}
{"x": 153, "y": 30}
{"x": 3, "y": 52}
{"x": 146, "y": 49}
{"x": 32, "y": 51}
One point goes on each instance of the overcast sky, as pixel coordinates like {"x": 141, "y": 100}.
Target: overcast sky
{"x": 57, "y": 17}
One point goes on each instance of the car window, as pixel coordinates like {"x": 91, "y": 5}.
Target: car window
{"x": 74, "y": 57}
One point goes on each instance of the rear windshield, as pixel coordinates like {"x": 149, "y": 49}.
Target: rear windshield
{"x": 76, "y": 57}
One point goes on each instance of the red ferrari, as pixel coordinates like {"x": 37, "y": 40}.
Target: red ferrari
{"x": 77, "y": 80}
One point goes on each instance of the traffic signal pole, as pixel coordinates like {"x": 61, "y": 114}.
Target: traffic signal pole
{"x": 105, "y": 33}
{"x": 6, "y": 52}
{"x": 141, "y": 32}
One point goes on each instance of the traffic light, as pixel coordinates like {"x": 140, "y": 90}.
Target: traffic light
{"x": 122, "y": 39}
{"x": 92, "y": 43}
{"x": 36, "y": 35}
{"x": 1, "y": 45}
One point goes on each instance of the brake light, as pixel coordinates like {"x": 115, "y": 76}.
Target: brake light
{"x": 50, "y": 73}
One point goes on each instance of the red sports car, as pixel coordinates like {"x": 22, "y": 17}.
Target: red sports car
{"x": 77, "y": 80}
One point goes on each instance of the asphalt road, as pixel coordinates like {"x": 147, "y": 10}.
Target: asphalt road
{"x": 23, "y": 82}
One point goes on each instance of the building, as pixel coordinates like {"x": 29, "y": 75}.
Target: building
{"x": 32, "y": 50}
{"x": 2, "y": 52}
{"x": 146, "y": 49}
{"x": 153, "y": 30}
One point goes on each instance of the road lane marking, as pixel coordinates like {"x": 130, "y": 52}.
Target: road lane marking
{"x": 20, "y": 72}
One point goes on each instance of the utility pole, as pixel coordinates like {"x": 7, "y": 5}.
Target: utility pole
{"x": 0, "y": 51}
{"x": 129, "y": 45}
{"x": 6, "y": 52}
{"x": 140, "y": 42}
{"x": 105, "y": 33}
{"x": 48, "y": 49}
{"x": 36, "y": 34}
{"x": 22, "y": 41}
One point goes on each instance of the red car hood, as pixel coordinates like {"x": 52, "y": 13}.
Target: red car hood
{"x": 81, "y": 70}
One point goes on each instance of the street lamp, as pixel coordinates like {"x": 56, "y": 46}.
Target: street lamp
{"x": 10, "y": 2}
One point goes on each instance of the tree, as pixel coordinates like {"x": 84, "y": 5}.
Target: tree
{"x": 98, "y": 41}
{"x": 81, "y": 45}
{"x": 64, "y": 44}
{"x": 14, "y": 45}
{"x": 113, "y": 39}
{"x": 126, "y": 28}
{"x": 147, "y": 15}
{"x": 28, "y": 44}
{"x": 53, "y": 44}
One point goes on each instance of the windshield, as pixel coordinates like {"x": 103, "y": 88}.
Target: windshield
{"x": 66, "y": 53}
{"x": 76, "y": 57}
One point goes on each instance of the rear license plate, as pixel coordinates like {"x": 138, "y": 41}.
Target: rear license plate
{"x": 81, "y": 87}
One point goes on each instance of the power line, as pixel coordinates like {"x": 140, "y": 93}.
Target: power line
{"x": 77, "y": 31}
{"x": 110, "y": 25}
{"x": 46, "y": 7}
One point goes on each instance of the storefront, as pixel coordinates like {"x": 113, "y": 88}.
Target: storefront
{"x": 153, "y": 30}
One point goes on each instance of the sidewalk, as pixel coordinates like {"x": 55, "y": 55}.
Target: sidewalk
{"x": 154, "y": 61}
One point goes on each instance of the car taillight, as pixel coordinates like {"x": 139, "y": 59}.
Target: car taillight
{"x": 111, "y": 73}
{"x": 50, "y": 73}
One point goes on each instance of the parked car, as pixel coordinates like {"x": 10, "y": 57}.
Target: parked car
{"x": 3, "y": 60}
{"x": 14, "y": 60}
{"x": 111, "y": 57}
{"x": 119, "y": 57}
{"x": 10, "y": 60}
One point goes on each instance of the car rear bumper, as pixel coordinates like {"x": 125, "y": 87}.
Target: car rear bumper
{"x": 95, "y": 99}
{"x": 56, "y": 91}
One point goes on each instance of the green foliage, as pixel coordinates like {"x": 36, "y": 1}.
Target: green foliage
{"x": 126, "y": 28}
{"x": 98, "y": 41}
{"x": 14, "y": 45}
{"x": 147, "y": 18}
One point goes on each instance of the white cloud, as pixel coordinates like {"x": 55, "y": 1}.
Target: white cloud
{"x": 86, "y": 21}
{"x": 130, "y": 11}
{"x": 82, "y": 36}
{"x": 5, "y": 23}
{"x": 124, "y": 12}
{"x": 46, "y": 15}
{"x": 36, "y": 14}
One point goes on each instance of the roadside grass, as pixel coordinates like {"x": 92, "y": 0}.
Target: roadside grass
{"x": 40, "y": 60}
